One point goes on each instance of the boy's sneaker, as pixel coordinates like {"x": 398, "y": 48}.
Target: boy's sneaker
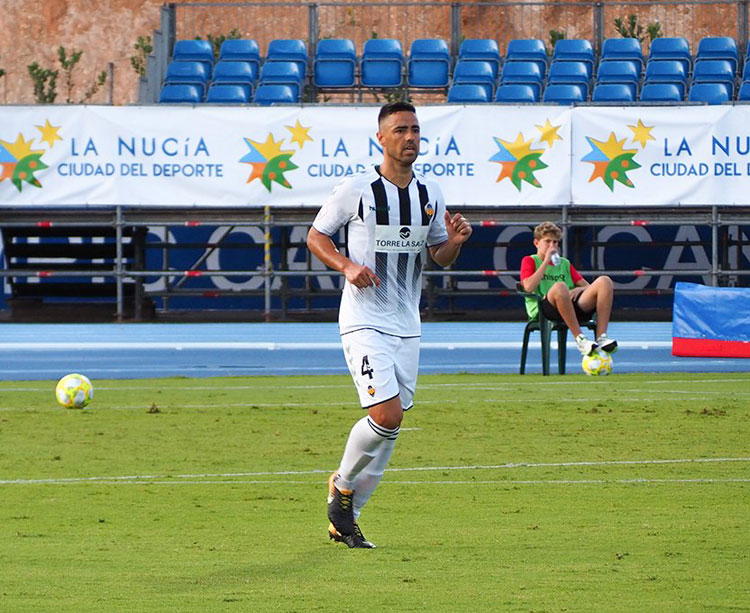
{"x": 606, "y": 344}
{"x": 340, "y": 508}
{"x": 585, "y": 346}
{"x": 356, "y": 540}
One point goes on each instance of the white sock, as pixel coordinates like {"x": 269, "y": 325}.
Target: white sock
{"x": 361, "y": 448}
{"x": 368, "y": 479}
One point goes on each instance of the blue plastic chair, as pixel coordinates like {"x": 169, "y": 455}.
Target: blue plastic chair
{"x": 481, "y": 49}
{"x": 710, "y": 93}
{"x": 429, "y": 63}
{"x": 619, "y": 71}
{"x": 746, "y": 72}
{"x": 718, "y": 48}
{"x": 335, "y": 63}
{"x": 273, "y": 93}
{"x": 382, "y": 63}
{"x": 628, "y": 49}
{"x": 240, "y": 50}
{"x": 475, "y": 72}
{"x": 235, "y": 72}
{"x": 574, "y": 50}
{"x": 288, "y": 50}
{"x": 528, "y": 50}
{"x": 744, "y": 93}
{"x": 516, "y": 92}
{"x": 661, "y": 92}
{"x": 283, "y": 73}
{"x": 220, "y": 93}
{"x": 612, "y": 92}
{"x": 523, "y": 72}
{"x": 173, "y": 93}
{"x": 667, "y": 71}
{"x": 562, "y": 94}
{"x": 671, "y": 48}
{"x": 714, "y": 71}
{"x": 467, "y": 93}
{"x": 569, "y": 72}
{"x": 194, "y": 51}
{"x": 192, "y": 72}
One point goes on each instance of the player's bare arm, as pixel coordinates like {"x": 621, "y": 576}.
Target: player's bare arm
{"x": 325, "y": 250}
{"x": 459, "y": 230}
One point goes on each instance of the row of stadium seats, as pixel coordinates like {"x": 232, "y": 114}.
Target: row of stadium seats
{"x": 240, "y": 75}
{"x": 567, "y": 93}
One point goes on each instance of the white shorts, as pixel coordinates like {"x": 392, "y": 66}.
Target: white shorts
{"x": 382, "y": 366}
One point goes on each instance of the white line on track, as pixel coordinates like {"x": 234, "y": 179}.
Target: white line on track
{"x": 510, "y": 465}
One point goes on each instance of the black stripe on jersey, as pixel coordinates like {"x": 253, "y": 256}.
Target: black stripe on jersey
{"x": 381, "y": 219}
{"x": 381, "y": 202}
{"x": 404, "y": 205}
{"x": 361, "y": 210}
{"x": 423, "y": 200}
{"x": 416, "y": 275}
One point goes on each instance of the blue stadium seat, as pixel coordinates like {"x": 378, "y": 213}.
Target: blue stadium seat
{"x": 612, "y": 92}
{"x": 570, "y": 72}
{"x": 283, "y": 73}
{"x": 194, "y": 51}
{"x": 475, "y": 72}
{"x": 240, "y": 50}
{"x": 516, "y": 92}
{"x": 744, "y": 93}
{"x": 619, "y": 71}
{"x": 714, "y": 71}
{"x": 481, "y": 49}
{"x": 661, "y": 92}
{"x": 429, "y": 63}
{"x": 562, "y": 94}
{"x": 335, "y": 63}
{"x": 523, "y": 72}
{"x": 288, "y": 50}
{"x": 710, "y": 93}
{"x": 628, "y": 49}
{"x": 718, "y": 48}
{"x": 220, "y": 93}
{"x": 274, "y": 94}
{"x": 667, "y": 71}
{"x": 528, "y": 50}
{"x": 574, "y": 50}
{"x": 746, "y": 72}
{"x": 192, "y": 72}
{"x": 382, "y": 63}
{"x": 674, "y": 48}
{"x": 467, "y": 92}
{"x": 180, "y": 92}
{"x": 235, "y": 72}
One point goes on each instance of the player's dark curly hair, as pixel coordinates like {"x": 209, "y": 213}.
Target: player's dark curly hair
{"x": 394, "y": 107}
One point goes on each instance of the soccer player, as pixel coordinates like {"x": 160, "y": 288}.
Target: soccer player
{"x": 391, "y": 215}
{"x": 567, "y": 295}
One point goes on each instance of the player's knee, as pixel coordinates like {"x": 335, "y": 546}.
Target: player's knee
{"x": 387, "y": 415}
{"x": 558, "y": 289}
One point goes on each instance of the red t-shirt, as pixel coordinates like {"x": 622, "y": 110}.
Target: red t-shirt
{"x": 528, "y": 268}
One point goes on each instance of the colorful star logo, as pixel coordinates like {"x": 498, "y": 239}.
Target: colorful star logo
{"x": 519, "y": 161}
{"x": 269, "y": 162}
{"x": 19, "y": 162}
{"x": 611, "y": 161}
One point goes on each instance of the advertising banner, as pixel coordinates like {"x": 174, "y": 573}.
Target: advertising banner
{"x": 292, "y": 156}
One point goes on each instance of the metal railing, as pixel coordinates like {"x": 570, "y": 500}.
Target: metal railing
{"x": 124, "y": 271}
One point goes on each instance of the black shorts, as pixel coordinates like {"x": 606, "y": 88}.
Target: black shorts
{"x": 552, "y": 313}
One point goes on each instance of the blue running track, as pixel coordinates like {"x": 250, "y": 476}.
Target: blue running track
{"x": 112, "y": 351}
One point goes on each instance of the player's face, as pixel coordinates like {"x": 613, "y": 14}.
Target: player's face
{"x": 399, "y": 137}
{"x": 544, "y": 244}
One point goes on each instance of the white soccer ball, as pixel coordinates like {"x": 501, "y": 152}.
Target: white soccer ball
{"x": 597, "y": 363}
{"x": 74, "y": 391}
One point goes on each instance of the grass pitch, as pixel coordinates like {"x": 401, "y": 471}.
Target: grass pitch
{"x": 505, "y": 493}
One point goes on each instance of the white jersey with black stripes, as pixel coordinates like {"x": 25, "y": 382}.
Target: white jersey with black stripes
{"x": 388, "y": 229}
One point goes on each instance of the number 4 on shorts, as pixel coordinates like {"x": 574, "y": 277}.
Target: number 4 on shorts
{"x": 366, "y": 368}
